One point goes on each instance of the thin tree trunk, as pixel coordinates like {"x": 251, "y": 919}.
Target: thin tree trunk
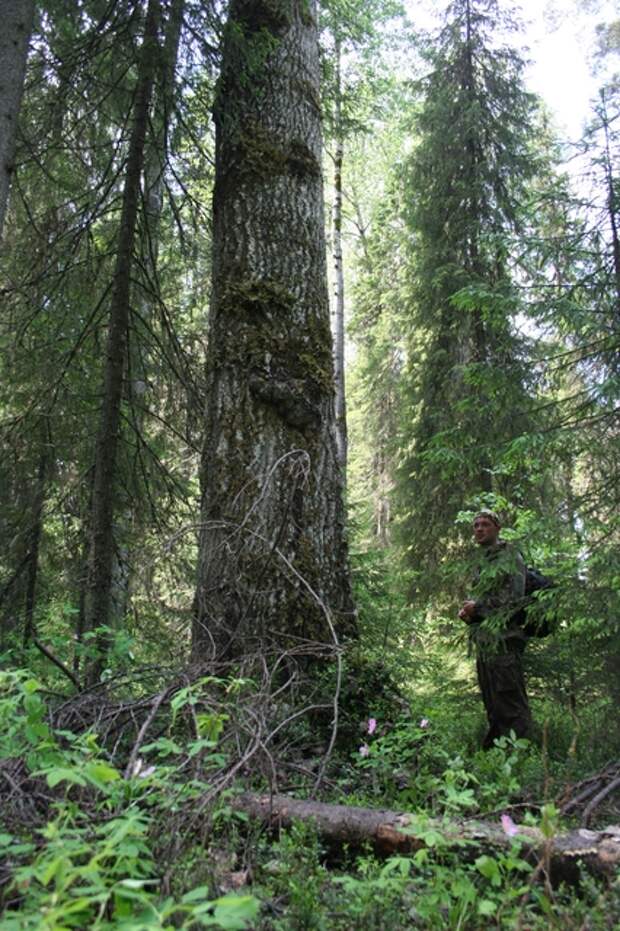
{"x": 35, "y": 540}
{"x": 611, "y": 205}
{"x": 339, "y": 341}
{"x": 382, "y": 494}
{"x": 273, "y": 559}
{"x": 16, "y": 17}
{"x": 81, "y": 574}
{"x": 102, "y": 545}
{"x": 479, "y": 336}
{"x": 154, "y": 167}
{"x": 80, "y": 627}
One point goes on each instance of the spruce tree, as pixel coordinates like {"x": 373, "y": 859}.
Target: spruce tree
{"x": 465, "y": 396}
{"x": 77, "y": 119}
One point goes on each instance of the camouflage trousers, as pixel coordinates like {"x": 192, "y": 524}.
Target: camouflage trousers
{"x": 502, "y": 683}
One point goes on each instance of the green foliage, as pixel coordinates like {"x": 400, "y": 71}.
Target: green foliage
{"x": 295, "y": 871}
{"x": 485, "y": 295}
{"x": 435, "y": 888}
{"x": 64, "y": 223}
{"x": 415, "y": 764}
{"x": 95, "y": 861}
{"x": 358, "y": 40}
{"x": 464, "y": 394}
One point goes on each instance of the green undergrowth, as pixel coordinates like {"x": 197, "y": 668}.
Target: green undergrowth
{"x": 82, "y": 842}
{"x": 435, "y": 888}
{"x": 411, "y": 765}
{"x": 94, "y": 835}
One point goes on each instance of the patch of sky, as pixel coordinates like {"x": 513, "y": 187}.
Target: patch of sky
{"x": 559, "y": 37}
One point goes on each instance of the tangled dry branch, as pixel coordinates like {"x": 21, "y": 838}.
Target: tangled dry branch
{"x": 587, "y": 796}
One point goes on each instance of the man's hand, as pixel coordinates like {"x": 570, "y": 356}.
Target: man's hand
{"x": 468, "y": 610}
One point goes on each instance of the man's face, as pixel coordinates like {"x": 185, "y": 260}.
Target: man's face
{"x": 486, "y": 531}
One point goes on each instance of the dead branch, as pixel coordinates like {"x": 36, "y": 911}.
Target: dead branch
{"x": 584, "y": 790}
{"x": 143, "y": 730}
{"x": 598, "y": 798}
{"x": 59, "y": 665}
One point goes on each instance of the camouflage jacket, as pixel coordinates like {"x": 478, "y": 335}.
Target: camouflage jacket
{"x": 498, "y": 592}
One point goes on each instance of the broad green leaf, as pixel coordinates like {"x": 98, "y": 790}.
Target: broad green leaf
{"x": 30, "y": 686}
{"x": 63, "y": 774}
{"x": 136, "y": 883}
{"x": 489, "y": 869}
{"x": 231, "y": 912}
{"x": 199, "y": 894}
{"x": 56, "y": 868}
{"x": 197, "y": 745}
{"x": 36, "y": 732}
{"x": 101, "y": 773}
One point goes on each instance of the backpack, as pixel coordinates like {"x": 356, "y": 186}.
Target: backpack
{"x": 535, "y": 621}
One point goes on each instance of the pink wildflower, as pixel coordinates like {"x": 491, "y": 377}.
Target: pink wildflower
{"x": 424, "y": 723}
{"x": 372, "y": 725}
{"x": 508, "y": 826}
{"x": 364, "y": 750}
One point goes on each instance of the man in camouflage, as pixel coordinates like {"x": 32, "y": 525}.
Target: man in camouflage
{"x": 498, "y": 638}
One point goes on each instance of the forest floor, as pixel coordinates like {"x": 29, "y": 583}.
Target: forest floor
{"x": 123, "y": 807}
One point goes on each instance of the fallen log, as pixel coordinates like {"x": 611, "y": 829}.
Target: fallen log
{"x": 391, "y": 832}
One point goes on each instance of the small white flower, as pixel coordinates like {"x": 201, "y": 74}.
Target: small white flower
{"x": 137, "y": 767}
{"x": 140, "y": 771}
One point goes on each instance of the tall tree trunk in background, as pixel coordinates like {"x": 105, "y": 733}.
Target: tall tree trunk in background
{"x": 155, "y": 155}
{"x": 102, "y": 542}
{"x": 35, "y": 535}
{"x": 341, "y": 412}
{"x": 157, "y": 147}
{"x": 612, "y": 201}
{"x": 273, "y": 558}
{"x": 16, "y": 18}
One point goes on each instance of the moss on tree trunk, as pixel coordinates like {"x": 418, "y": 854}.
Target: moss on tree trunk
{"x": 273, "y": 559}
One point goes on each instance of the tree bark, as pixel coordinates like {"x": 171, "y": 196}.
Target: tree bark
{"x": 16, "y": 17}
{"x": 392, "y": 832}
{"x": 35, "y": 539}
{"x": 102, "y": 542}
{"x": 273, "y": 558}
{"x": 339, "y": 341}
{"x": 612, "y": 201}
{"x": 155, "y": 156}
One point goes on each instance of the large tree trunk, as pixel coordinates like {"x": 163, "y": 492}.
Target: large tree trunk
{"x": 273, "y": 557}
{"x": 393, "y": 832}
{"x": 105, "y": 482}
{"x": 16, "y": 18}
